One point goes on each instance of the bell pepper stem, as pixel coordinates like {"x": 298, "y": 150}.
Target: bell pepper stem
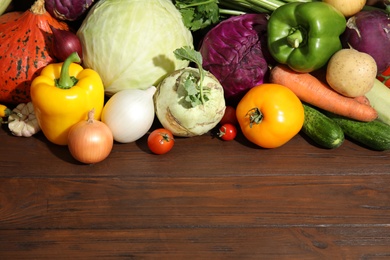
{"x": 66, "y": 81}
{"x": 295, "y": 38}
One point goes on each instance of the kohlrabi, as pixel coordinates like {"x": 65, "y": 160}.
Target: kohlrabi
{"x": 189, "y": 101}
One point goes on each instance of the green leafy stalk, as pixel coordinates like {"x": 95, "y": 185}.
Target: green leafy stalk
{"x": 231, "y": 12}
{"x": 262, "y": 6}
{"x": 234, "y": 9}
{"x": 267, "y": 4}
{"x": 189, "y": 54}
{"x": 199, "y": 14}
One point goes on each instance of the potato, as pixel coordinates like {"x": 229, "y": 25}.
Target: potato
{"x": 351, "y": 73}
{"x": 347, "y": 7}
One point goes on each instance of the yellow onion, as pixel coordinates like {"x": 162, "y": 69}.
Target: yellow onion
{"x": 90, "y": 141}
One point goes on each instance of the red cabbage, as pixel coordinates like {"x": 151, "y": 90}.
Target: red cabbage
{"x": 68, "y": 10}
{"x": 369, "y": 32}
{"x": 235, "y": 52}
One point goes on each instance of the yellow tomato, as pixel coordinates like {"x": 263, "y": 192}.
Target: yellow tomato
{"x": 270, "y": 115}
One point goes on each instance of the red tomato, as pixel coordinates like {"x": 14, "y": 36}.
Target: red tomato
{"x": 160, "y": 141}
{"x": 385, "y": 77}
{"x": 227, "y": 132}
{"x": 229, "y": 117}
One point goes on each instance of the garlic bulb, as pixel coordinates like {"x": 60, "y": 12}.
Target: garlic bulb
{"x": 22, "y": 122}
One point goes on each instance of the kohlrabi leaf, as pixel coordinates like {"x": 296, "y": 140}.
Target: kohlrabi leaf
{"x": 189, "y": 54}
{"x": 194, "y": 88}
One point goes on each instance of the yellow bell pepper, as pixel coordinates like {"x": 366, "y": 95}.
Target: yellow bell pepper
{"x": 4, "y": 111}
{"x": 63, "y": 94}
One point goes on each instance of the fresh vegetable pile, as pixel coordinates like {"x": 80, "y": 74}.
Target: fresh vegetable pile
{"x": 92, "y": 73}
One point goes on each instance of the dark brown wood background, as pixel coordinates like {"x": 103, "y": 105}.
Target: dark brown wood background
{"x": 206, "y": 199}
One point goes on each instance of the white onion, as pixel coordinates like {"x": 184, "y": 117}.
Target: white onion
{"x": 129, "y": 114}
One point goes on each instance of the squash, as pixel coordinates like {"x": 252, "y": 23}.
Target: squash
{"x": 25, "y": 48}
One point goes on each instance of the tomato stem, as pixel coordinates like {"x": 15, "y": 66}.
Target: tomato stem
{"x": 385, "y": 78}
{"x": 165, "y": 138}
{"x": 255, "y": 116}
{"x": 222, "y": 131}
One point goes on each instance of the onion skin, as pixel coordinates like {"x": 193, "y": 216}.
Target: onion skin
{"x": 369, "y": 32}
{"x": 68, "y": 10}
{"x": 65, "y": 43}
{"x": 90, "y": 141}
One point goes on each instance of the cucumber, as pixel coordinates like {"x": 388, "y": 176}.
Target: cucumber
{"x": 374, "y": 134}
{"x": 321, "y": 129}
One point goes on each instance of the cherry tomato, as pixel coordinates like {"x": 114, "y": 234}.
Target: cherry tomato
{"x": 227, "y": 132}
{"x": 385, "y": 77}
{"x": 229, "y": 117}
{"x": 160, "y": 141}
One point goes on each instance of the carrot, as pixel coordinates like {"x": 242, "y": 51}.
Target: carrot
{"x": 317, "y": 93}
{"x": 320, "y": 74}
{"x": 363, "y": 100}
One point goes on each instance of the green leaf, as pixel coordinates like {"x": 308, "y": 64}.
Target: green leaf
{"x": 187, "y": 53}
{"x": 188, "y": 17}
{"x": 198, "y": 14}
{"x": 192, "y": 90}
{"x": 196, "y": 93}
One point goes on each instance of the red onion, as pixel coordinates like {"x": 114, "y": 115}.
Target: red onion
{"x": 65, "y": 43}
{"x": 369, "y": 32}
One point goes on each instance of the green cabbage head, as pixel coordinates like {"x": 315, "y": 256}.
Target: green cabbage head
{"x": 130, "y": 43}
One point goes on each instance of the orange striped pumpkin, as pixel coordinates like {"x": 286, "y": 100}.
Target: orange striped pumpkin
{"x": 25, "y": 48}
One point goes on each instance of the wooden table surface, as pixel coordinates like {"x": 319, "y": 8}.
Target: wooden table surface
{"x": 206, "y": 199}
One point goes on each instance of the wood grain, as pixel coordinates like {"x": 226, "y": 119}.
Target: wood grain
{"x": 206, "y": 199}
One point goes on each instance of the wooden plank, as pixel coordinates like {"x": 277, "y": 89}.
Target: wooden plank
{"x": 206, "y": 199}
{"x": 191, "y": 157}
{"x": 199, "y": 243}
{"x": 185, "y": 202}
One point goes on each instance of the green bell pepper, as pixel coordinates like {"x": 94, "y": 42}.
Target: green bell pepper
{"x": 305, "y": 35}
